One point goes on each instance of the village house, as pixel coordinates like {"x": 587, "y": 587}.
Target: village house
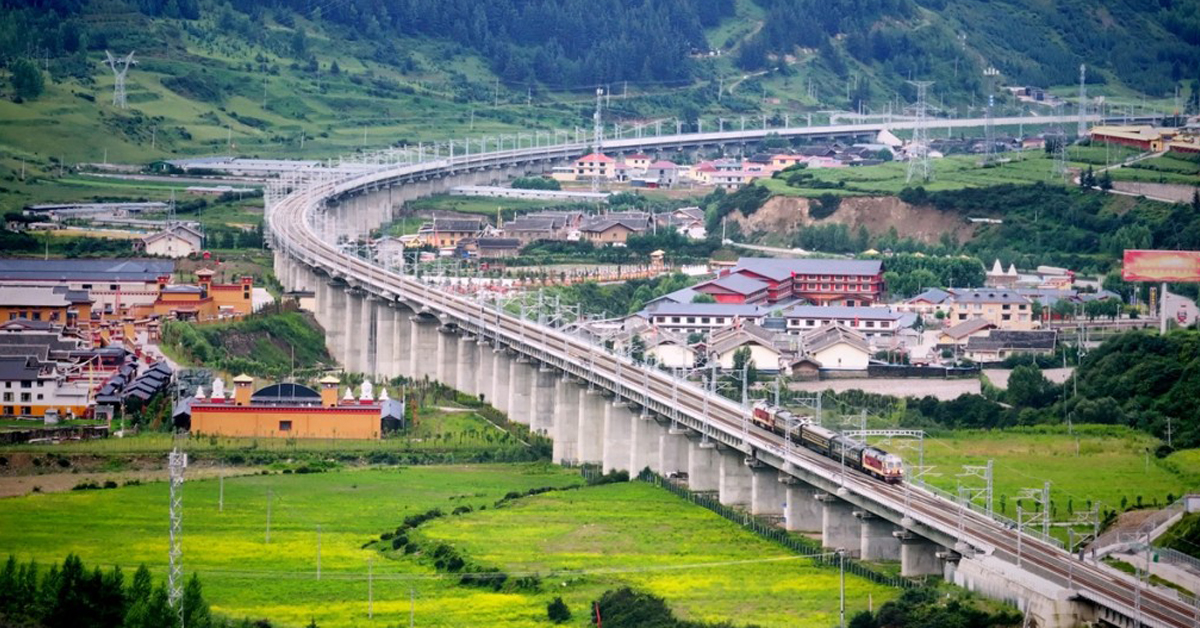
{"x": 832, "y": 282}
{"x": 176, "y": 241}
{"x": 446, "y": 232}
{"x": 594, "y": 166}
{"x": 834, "y": 347}
{"x": 766, "y": 347}
{"x": 868, "y": 321}
{"x": 1006, "y": 309}
{"x": 687, "y": 318}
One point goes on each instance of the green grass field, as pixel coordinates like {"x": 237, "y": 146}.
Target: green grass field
{"x": 617, "y": 534}
{"x": 1098, "y": 463}
{"x": 951, "y": 173}
{"x": 639, "y": 535}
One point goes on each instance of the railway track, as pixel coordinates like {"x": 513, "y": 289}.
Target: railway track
{"x": 722, "y": 420}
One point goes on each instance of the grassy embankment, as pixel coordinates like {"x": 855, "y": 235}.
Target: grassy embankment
{"x": 1097, "y": 463}
{"x": 950, "y": 173}
{"x": 618, "y": 534}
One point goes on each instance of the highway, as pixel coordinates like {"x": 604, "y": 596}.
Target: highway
{"x": 291, "y": 222}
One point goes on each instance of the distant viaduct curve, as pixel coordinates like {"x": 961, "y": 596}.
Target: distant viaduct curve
{"x": 601, "y": 408}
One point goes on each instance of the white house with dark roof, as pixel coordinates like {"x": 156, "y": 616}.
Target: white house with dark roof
{"x": 176, "y": 241}
{"x": 687, "y": 318}
{"x": 766, "y": 347}
{"x": 836, "y": 347}
{"x": 869, "y": 321}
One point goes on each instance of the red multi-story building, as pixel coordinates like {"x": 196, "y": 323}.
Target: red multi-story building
{"x": 818, "y": 281}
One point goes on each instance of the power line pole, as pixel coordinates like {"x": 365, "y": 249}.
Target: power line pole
{"x": 176, "y": 462}
{"x": 1082, "y": 128}
{"x": 597, "y": 138}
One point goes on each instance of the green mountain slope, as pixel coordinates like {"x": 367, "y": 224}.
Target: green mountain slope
{"x": 292, "y": 78}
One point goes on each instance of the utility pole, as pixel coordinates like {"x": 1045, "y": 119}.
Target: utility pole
{"x": 268, "y": 515}
{"x": 1081, "y": 130}
{"x": 597, "y": 138}
{"x": 371, "y": 588}
{"x": 842, "y": 587}
{"x": 318, "y": 552}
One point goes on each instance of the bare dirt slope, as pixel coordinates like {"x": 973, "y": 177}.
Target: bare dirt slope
{"x": 879, "y": 214}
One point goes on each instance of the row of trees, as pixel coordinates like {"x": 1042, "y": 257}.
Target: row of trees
{"x": 71, "y": 596}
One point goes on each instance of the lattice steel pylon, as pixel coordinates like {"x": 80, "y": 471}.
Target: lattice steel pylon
{"x": 177, "y": 462}
{"x": 918, "y": 158}
{"x": 989, "y": 128}
{"x": 119, "y": 76}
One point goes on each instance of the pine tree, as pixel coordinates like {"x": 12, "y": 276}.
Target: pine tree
{"x": 195, "y": 610}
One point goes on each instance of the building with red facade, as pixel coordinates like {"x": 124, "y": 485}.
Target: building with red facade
{"x": 735, "y": 288}
{"x": 817, "y": 281}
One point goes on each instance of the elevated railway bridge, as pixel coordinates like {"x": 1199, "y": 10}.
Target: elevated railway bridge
{"x": 603, "y": 408}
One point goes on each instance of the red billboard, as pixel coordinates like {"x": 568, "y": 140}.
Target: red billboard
{"x": 1159, "y": 266}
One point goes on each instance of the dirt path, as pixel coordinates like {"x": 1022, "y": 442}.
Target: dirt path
{"x": 17, "y": 485}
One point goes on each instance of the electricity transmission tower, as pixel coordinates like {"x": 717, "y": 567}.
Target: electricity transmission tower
{"x": 119, "y": 76}
{"x": 918, "y": 159}
{"x": 1081, "y": 131}
{"x": 597, "y": 137}
{"x": 177, "y": 462}
{"x": 1060, "y": 153}
{"x": 989, "y": 128}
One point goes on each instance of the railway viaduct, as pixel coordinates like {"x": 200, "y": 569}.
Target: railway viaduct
{"x": 601, "y": 408}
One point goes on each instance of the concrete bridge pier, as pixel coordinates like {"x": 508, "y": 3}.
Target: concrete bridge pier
{"x": 484, "y": 375}
{"x": 618, "y": 428}
{"x": 501, "y": 378}
{"x": 468, "y": 366}
{"x": 734, "y": 487}
{"x": 802, "y": 511}
{"x": 401, "y": 340}
{"x": 447, "y": 355}
{"x": 520, "y": 400}
{"x": 877, "y": 540}
{"x": 643, "y": 443}
{"x": 385, "y": 352}
{"x": 369, "y": 355}
{"x": 767, "y": 495}
{"x": 591, "y": 426}
{"x": 544, "y": 393}
{"x": 918, "y": 555}
{"x": 567, "y": 408}
{"x": 423, "y": 352}
{"x": 703, "y": 466}
{"x": 352, "y": 345}
{"x": 672, "y": 451}
{"x": 334, "y": 299}
{"x": 839, "y": 528}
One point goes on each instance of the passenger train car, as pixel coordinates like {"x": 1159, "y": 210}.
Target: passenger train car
{"x": 801, "y": 430}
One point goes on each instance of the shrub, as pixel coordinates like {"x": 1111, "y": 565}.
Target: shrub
{"x": 557, "y": 611}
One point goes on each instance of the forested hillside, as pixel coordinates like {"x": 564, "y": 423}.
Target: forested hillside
{"x": 1148, "y": 45}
